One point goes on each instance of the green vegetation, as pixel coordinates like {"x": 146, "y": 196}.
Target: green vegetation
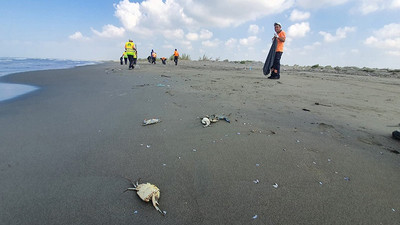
{"x": 205, "y": 58}
{"x": 315, "y": 66}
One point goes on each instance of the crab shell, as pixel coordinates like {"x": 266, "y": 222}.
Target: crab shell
{"x": 147, "y": 192}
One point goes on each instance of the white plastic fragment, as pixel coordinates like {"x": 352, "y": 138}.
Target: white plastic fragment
{"x": 275, "y": 185}
{"x": 194, "y": 150}
{"x": 150, "y": 121}
{"x": 255, "y": 217}
{"x": 135, "y": 212}
{"x": 256, "y": 181}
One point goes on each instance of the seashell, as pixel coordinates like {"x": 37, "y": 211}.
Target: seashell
{"x": 206, "y": 122}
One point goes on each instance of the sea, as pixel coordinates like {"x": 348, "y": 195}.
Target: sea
{"x": 10, "y": 65}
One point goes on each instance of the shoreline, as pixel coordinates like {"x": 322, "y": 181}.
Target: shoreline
{"x": 68, "y": 147}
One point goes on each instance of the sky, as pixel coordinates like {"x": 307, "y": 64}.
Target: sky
{"x": 362, "y": 33}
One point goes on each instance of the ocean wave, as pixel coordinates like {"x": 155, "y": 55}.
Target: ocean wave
{"x": 10, "y": 65}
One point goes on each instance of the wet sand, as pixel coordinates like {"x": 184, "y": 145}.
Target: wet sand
{"x": 322, "y": 134}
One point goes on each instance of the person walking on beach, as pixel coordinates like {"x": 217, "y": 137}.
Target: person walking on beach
{"x": 153, "y": 57}
{"x": 125, "y": 57}
{"x": 280, "y": 36}
{"x": 176, "y": 57}
{"x": 134, "y": 56}
{"x": 130, "y": 50}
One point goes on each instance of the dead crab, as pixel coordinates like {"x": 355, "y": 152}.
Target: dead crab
{"x": 147, "y": 192}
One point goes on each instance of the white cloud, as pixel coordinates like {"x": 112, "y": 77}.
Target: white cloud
{"x": 78, "y": 36}
{"x": 253, "y": 29}
{"x": 110, "y": 31}
{"x": 210, "y": 43}
{"x": 128, "y": 13}
{"x": 205, "y": 34}
{"x": 174, "y": 34}
{"x": 319, "y": 3}
{"x": 157, "y": 15}
{"x": 371, "y": 41}
{"x": 231, "y": 43}
{"x": 395, "y": 4}
{"x": 370, "y": 6}
{"x": 299, "y": 29}
{"x": 297, "y": 15}
{"x": 219, "y": 14}
{"x": 387, "y": 37}
{"x": 313, "y": 46}
{"x": 341, "y": 33}
{"x": 192, "y": 36}
{"x": 249, "y": 41}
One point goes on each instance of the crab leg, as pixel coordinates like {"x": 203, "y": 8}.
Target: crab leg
{"x": 155, "y": 203}
{"x": 130, "y": 189}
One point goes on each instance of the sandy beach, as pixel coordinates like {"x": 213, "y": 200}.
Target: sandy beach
{"x": 313, "y": 147}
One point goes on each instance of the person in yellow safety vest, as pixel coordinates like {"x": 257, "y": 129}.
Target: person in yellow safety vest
{"x": 134, "y": 56}
{"x": 176, "y": 57}
{"x": 130, "y": 50}
{"x": 125, "y": 57}
{"x": 153, "y": 57}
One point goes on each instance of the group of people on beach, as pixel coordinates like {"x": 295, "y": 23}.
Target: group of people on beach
{"x": 130, "y": 54}
{"x": 279, "y": 36}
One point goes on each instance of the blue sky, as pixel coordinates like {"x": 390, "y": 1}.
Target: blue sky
{"x": 363, "y": 33}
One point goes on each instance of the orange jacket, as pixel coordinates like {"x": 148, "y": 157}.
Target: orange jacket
{"x": 176, "y": 53}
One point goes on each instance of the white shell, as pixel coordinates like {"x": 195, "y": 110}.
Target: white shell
{"x": 206, "y": 122}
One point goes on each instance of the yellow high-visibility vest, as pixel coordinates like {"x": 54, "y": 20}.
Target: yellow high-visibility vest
{"x": 129, "y": 46}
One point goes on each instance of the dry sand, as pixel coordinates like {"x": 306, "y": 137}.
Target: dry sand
{"x": 322, "y": 134}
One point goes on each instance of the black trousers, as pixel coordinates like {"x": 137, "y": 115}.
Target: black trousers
{"x": 126, "y": 60}
{"x": 176, "y": 60}
{"x": 277, "y": 64}
{"x": 130, "y": 57}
